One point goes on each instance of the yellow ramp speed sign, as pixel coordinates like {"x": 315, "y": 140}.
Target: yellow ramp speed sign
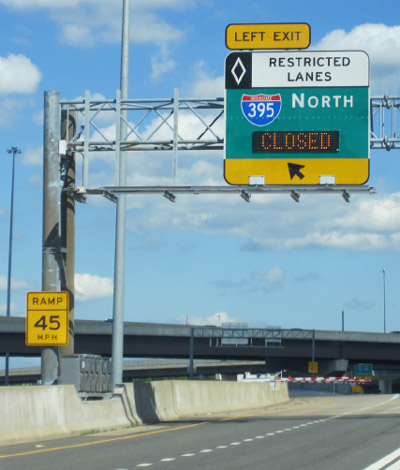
{"x": 47, "y": 319}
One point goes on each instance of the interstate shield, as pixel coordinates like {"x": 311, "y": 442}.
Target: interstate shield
{"x": 261, "y": 110}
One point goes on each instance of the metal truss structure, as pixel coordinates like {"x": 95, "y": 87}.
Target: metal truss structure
{"x": 269, "y": 337}
{"x": 385, "y": 122}
{"x": 187, "y": 124}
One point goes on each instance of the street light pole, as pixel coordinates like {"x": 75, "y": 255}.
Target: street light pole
{"x": 117, "y": 348}
{"x": 14, "y": 151}
{"x": 343, "y": 319}
{"x": 384, "y": 299}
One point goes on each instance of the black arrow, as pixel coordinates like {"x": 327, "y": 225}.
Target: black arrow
{"x": 294, "y": 170}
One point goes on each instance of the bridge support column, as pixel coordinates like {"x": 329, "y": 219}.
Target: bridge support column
{"x": 385, "y": 385}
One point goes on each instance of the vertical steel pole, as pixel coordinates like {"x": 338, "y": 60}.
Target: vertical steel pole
{"x": 68, "y": 129}
{"x": 51, "y": 219}
{"x": 384, "y": 300}
{"x": 14, "y": 151}
{"x": 313, "y": 346}
{"x": 176, "y": 136}
{"x": 119, "y": 266}
{"x": 191, "y": 353}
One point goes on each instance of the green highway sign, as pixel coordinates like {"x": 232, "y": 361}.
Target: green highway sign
{"x": 363, "y": 370}
{"x": 297, "y": 117}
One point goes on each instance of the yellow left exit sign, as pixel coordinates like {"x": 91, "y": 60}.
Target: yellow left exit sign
{"x": 268, "y": 36}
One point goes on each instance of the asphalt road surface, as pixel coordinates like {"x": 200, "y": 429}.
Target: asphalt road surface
{"x": 330, "y": 433}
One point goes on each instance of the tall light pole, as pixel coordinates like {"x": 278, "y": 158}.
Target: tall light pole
{"x": 343, "y": 318}
{"x": 117, "y": 352}
{"x": 384, "y": 299}
{"x": 14, "y": 151}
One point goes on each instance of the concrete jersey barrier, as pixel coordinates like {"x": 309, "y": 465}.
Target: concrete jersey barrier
{"x": 43, "y": 412}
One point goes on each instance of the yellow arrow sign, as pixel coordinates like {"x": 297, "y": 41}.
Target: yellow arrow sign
{"x": 302, "y": 171}
{"x": 268, "y": 36}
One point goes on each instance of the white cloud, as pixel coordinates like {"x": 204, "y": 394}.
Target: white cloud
{"x": 360, "y": 305}
{"x": 90, "y": 287}
{"x": 51, "y": 4}
{"x": 36, "y": 181}
{"x": 148, "y": 27}
{"x": 204, "y": 84}
{"x": 10, "y": 111}
{"x": 33, "y": 157}
{"x": 76, "y": 35}
{"x": 22, "y": 4}
{"x": 215, "y": 319}
{"x": 99, "y": 21}
{"x": 276, "y": 222}
{"x": 380, "y": 214}
{"x": 160, "y": 65}
{"x": 38, "y": 118}
{"x": 16, "y": 284}
{"x": 88, "y": 23}
{"x": 382, "y": 44}
{"x": 380, "y": 41}
{"x": 18, "y": 75}
{"x": 274, "y": 275}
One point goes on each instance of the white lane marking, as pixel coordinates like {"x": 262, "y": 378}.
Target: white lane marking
{"x": 395, "y": 466}
{"x": 385, "y": 461}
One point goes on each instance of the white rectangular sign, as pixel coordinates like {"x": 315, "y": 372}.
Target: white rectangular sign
{"x": 310, "y": 69}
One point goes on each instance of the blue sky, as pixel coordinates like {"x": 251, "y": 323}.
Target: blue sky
{"x": 202, "y": 259}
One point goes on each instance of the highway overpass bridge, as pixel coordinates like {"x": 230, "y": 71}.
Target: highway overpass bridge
{"x": 289, "y": 349}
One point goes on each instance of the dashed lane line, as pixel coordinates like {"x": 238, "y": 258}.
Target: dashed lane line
{"x": 377, "y": 466}
{"x": 238, "y": 443}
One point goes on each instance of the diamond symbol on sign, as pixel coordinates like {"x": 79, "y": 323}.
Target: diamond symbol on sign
{"x": 238, "y": 70}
